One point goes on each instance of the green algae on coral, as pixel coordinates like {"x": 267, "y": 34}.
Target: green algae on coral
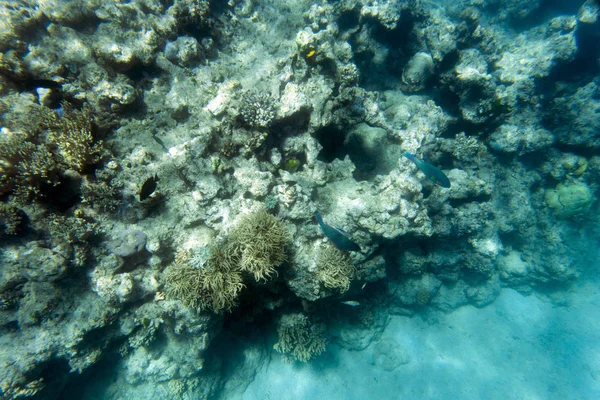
{"x": 568, "y": 200}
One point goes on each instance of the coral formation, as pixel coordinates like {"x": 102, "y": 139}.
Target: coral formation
{"x": 261, "y": 240}
{"x": 11, "y": 217}
{"x": 300, "y": 339}
{"x": 36, "y": 155}
{"x": 256, "y": 245}
{"x": 215, "y": 286}
{"x": 569, "y": 199}
{"x": 257, "y": 110}
{"x": 334, "y": 268}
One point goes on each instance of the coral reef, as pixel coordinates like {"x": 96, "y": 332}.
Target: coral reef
{"x": 295, "y": 107}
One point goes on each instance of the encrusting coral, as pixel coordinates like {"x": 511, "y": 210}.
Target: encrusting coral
{"x": 300, "y": 338}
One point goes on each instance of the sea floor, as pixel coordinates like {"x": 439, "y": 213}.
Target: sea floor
{"x": 519, "y": 347}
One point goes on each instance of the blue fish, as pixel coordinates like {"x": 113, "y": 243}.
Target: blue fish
{"x": 338, "y": 237}
{"x": 434, "y": 173}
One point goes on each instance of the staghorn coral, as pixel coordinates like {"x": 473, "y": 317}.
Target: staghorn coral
{"x": 73, "y": 137}
{"x": 262, "y": 239}
{"x": 213, "y": 287}
{"x": 25, "y": 166}
{"x": 334, "y": 268}
{"x": 36, "y": 152}
{"x": 11, "y": 217}
{"x": 300, "y": 338}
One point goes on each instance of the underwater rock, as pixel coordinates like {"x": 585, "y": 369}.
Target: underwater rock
{"x": 575, "y": 119}
{"x": 415, "y": 292}
{"x": 439, "y": 32}
{"x": 357, "y": 337}
{"x": 417, "y": 72}
{"x": 534, "y": 53}
{"x": 474, "y": 85}
{"x": 128, "y": 243}
{"x": 43, "y": 264}
{"x": 42, "y": 301}
{"x": 184, "y": 51}
{"x": 568, "y": 200}
{"x": 515, "y": 9}
{"x": 116, "y": 289}
{"x": 589, "y": 12}
{"x": 512, "y": 268}
{"x": 521, "y": 140}
{"x": 67, "y": 12}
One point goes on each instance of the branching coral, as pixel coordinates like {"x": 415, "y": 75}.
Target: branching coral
{"x": 214, "y": 287}
{"x": 25, "y": 166}
{"x": 262, "y": 239}
{"x": 35, "y": 154}
{"x": 334, "y": 268}
{"x": 300, "y": 338}
{"x": 11, "y": 217}
{"x": 258, "y": 110}
{"x": 73, "y": 137}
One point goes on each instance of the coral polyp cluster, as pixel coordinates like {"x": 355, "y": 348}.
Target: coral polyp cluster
{"x": 256, "y": 246}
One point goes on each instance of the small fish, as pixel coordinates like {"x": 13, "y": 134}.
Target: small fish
{"x": 351, "y": 303}
{"x": 363, "y": 286}
{"x": 434, "y": 173}
{"x": 337, "y": 236}
{"x": 148, "y": 187}
{"x": 60, "y": 112}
